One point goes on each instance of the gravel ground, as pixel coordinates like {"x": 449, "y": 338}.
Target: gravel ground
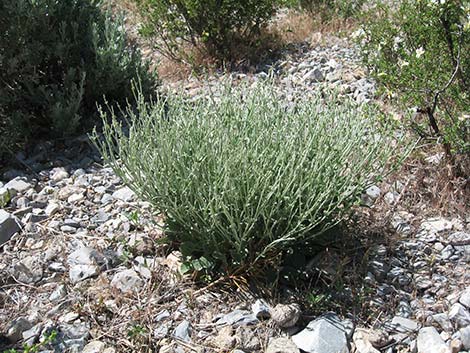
{"x": 82, "y": 267}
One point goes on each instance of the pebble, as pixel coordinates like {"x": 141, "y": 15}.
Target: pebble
{"x": 124, "y": 194}
{"x": 362, "y": 342}
{"x": 246, "y": 340}
{"x": 281, "y": 345}
{"x": 401, "y": 324}
{"x": 465, "y": 336}
{"x": 225, "y": 339}
{"x": 238, "y": 317}
{"x": 323, "y": 335}
{"x": 460, "y": 315}
{"x": 94, "y": 347}
{"x": 127, "y": 281}
{"x": 465, "y": 298}
{"x": 14, "y": 331}
{"x": 261, "y": 309}
{"x": 436, "y": 225}
{"x": 429, "y": 341}
{"x": 183, "y": 331}
{"x": 17, "y": 186}
{"x": 29, "y": 270}
{"x": 286, "y": 315}
{"x": 443, "y": 321}
{"x": 8, "y": 226}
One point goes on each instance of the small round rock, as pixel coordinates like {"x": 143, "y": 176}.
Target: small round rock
{"x": 286, "y": 315}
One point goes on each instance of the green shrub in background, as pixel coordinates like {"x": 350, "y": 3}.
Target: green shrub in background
{"x": 57, "y": 60}
{"x": 330, "y": 8}
{"x": 420, "y": 50}
{"x": 242, "y": 178}
{"x": 218, "y": 26}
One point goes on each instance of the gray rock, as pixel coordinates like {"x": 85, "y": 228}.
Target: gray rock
{"x": 23, "y": 202}
{"x": 436, "y": 225}
{"x": 76, "y": 330}
{"x": 378, "y": 338}
{"x": 33, "y": 218}
{"x": 314, "y": 75}
{"x": 362, "y": 342}
{"x": 261, "y": 309}
{"x": 8, "y": 226}
{"x": 373, "y": 192}
{"x": 225, "y": 339}
{"x": 161, "y": 331}
{"x": 58, "y": 174}
{"x": 422, "y": 282}
{"x": 71, "y": 223}
{"x": 127, "y": 281}
{"x": 459, "y": 237}
{"x": 404, "y": 325}
{"x": 17, "y": 185}
{"x": 59, "y": 293}
{"x": 75, "y": 335}
{"x": 100, "y": 217}
{"x": 447, "y": 252}
{"x": 68, "y": 229}
{"x": 286, "y": 315}
{"x": 459, "y": 314}
{"x": 183, "y": 331}
{"x": 323, "y": 335}
{"x": 124, "y": 194}
{"x": 465, "y": 298}
{"x": 31, "y": 336}
{"x": 443, "y": 321}
{"x": 429, "y": 341}
{"x": 106, "y": 198}
{"x": 379, "y": 269}
{"x": 52, "y": 208}
{"x": 282, "y": 345}
{"x": 85, "y": 256}
{"x": 391, "y": 197}
{"x": 404, "y": 309}
{"x": 82, "y": 180}
{"x": 78, "y": 273}
{"x": 14, "y": 331}
{"x": 84, "y": 263}
{"x": 162, "y": 316}
{"x": 238, "y": 317}
{"x": 247, "y": 340}
{"x": 349, "y": 327}
{"x": 465, "y": 337}
{"x": 94, "y": 347}
{"x": 29, "y": 270}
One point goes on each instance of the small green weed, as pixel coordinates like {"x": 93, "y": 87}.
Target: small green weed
{"x": 34, "y": 348}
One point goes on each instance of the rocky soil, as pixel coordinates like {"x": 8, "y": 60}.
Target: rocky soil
{"x": 83, "y": 267}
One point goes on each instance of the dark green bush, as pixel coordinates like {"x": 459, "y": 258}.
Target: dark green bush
{"x": 420, "y": 52}
{"x": 57, "y": 60}
{"x": 244, "y": 177}
{"x": 218, "y": 26}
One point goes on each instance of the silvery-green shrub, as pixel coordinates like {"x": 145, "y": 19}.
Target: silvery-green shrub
{"x": 242, "y": 176}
